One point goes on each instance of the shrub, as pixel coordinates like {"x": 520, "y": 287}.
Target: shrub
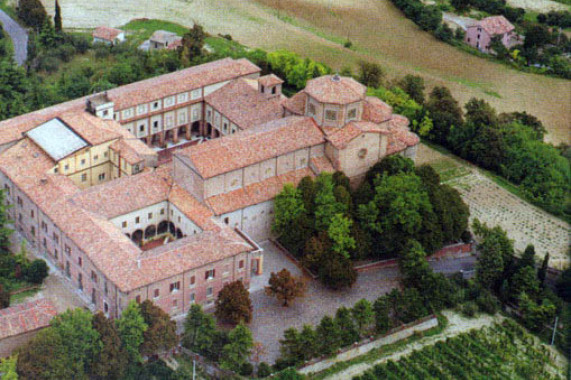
{"x": 80, "y": 42}
{"x": 246, "y": 369}
{"x": 37, "y": 271}
{"x": 48, "y": 64}
{"x": 466, "y": 236}
{"x": 469, "y": 309}
{"x": 101, "y": 51}
{"x": 65, "y": 52}
{"x": 264, "y": 369}
{"x": 487, "y": 303}
{"x": 348, "y": 44}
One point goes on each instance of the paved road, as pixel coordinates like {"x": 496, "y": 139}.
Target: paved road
{"x": 19, "y": 37}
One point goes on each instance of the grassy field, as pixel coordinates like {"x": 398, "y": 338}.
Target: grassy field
{"x": 379, "y": 32}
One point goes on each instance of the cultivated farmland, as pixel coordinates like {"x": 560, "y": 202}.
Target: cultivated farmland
{"x": 500, "y": 351}
{"x": 379, "y": 32}
{"x": 494, "y": 205}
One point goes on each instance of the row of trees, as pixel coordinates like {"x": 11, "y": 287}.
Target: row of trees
{"x": 509, "y": 144}
{"x": 328, "y": 225}
{"x": 81, "y": 345}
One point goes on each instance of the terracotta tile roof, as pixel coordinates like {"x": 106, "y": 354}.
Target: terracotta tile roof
{"x": 91, "y": 128}
{"x": 296, "y": 104}
{"x": 321, "y": 164}
{"x": 192, "y": 208}
{"x": 135, "y": 93}
{"x": 126, "y": 194}
{"x": 375, "y": 110}
{"x": 270, "y": 80}
{"x": 26, "y": 317}
{"x": 248, "y": 147}
{"x": 180, "y": 81}
{"x": 496, "y": 25}
{"x": 255, "y": 193}
{"x": 106, "y": 33}
{"x": 335, "y": 89}
{"x": 339, "y": 138}
{"x": 400, "y": 136}
{"x": 126, "y": 151}
{"x": 241, "y": 102}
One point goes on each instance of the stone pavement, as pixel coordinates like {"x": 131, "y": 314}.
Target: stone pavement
{"x": 270, "y": 319}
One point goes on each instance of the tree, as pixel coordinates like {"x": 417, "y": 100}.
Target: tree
{"x": 413, "y": 85}
{"x": 326, "y": 206}
{"x": 5, "y": 232}
{"x": 111, "y": 361}
{"x": 445, "y": 113}
{"x": 32, "y": 13}
{"x": 131, "y": 327}
{"x": 192, "y": 44}
{"x": 339, "y": 232}
{"x": 414, "y": 268}
{"x": 8, "y": 368}
{"x": 233, "y": 304}
{"x": 4, "y": 297}
{"x": 290, "y": 218}
{"x": 44, "y": 357}
{"x": 542, "y": 272}
{"x": 528, "y": 257}
{"x": 563, "y": 285}
{"x": 161, "y": 334}
{"x": 199, "y": 330}
{"x": 328, "y": 336}
{"x": 524, "y": 281}
{"x": 307, "y": 189}
{"x": 291, "y": 348}
{"x": 238, "y": 349}
{"x": 336, "y": 271}
{"x": 460, "y": 5}
{"x": 57, "y": 18}
{"x": 480, "y": 113}
{"x": 382, "y": 319}
{"x": 37, "y": 271}
{"x": 391, "y": 165}
{"x": 285, "y": 287}
{"x": 308, "y": 343}
{"x": 535, "y": 316}
{"x": 498, "y": 47}
{"x": 348, "y": 333}
{"x": 429, "y": 18}
{"x": 371, "y": 74}
{"x": 80, "y": 341}
{"x": 363, "y": 315}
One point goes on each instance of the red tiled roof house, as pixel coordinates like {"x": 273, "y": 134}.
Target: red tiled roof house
{"x": 108, "y": 36}
{"x": 20, "y": 323}
{"x": 479, "y": 35}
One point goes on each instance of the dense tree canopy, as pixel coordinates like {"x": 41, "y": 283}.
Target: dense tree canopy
{"x": 233, "y": 304}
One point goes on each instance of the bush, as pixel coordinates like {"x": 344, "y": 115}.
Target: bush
{"x": 487, "y": 303}
{"x": 101, "y": 51}
{"x": 80, "y": 42}
{"x": 469, "y": 309}
{"x": 348, "y": 44}
{"x": 466, "y": 236}
{"x": 264, "y": 369}
{"x": 246, "y": 369}
{"x": 65, "y": 52}
{"x": 48, "y": 64}
{"x": 36, "y": 272}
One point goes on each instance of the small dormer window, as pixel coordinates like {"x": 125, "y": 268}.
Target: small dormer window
{"x": 331, "y": 115}
{"x": 352, "y": 114}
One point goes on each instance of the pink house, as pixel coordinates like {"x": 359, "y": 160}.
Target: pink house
{"x": 480, "y": 33}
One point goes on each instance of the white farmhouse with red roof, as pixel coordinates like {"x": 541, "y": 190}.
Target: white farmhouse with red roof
{"x": 107, "y": 35}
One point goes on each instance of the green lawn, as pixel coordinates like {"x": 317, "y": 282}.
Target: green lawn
{"x": 144, "y": 28}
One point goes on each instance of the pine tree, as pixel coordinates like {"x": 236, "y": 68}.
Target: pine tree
{"x": 363, "y": 314}
{"x": 382, "y": 320}
{"x": 237, "y": 351}
{"x": 328, "y": 336}
{"x": 542, "y": 272}
{"x": 199, "y": 330}
{"x": 348, "y": 333}
{"x": 57, "y": 18}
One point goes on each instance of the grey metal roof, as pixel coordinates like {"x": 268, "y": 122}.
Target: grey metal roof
{"x": 56, "y": 139}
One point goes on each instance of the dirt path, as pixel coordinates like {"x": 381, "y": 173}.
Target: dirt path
{"x": 456, "y": 325}
{"x": 379, "y": 32}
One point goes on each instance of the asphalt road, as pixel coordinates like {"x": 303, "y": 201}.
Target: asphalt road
{"x": 19, "y": 37}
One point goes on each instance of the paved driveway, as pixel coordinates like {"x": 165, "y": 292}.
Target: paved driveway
{"x": 18, "y": 35}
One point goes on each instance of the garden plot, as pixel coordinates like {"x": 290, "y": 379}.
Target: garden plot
{"x": 542, "y": 6}
{"x": 492, "y": 204}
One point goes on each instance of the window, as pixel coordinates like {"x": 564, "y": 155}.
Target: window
{"x": 55, "y": 237}
{"x": 83, "y": 177}
{"x": 67, "y": 269}
{"x": 137, "y": 220}
{"x": 33, "y": 231}
{"x": 80, "y": 281}
{"x": 192, "y": 298}
{"x": 155, "y": 124}
{"x": 67, "y": 249}
{"x": 138, "y": 299}
{"x": 150, "y": 216}
{"x": 241, "y": 264}
{"x": 331, "y": 115}
{"x": 362, "y": 153}
{"x": 93, "y": 276}
{"x": 101, "y": 177}
{"x": 227, "y": 220}
{"x": 56, "y": 254}
{"x": 66, "y": 167}
{"x": 209, "y": 292}
{"x": 106, "y": 154}
{"x": 311, "y": 109}
{"x": 192, "y": 280}
{"x": 105, "y": 307}
{"x": 273, "y": 90}
{"x": 263, "y": 89}
{"x": 20, "y": 203}
{"x": 44, "y": 242}
{"x": 162, "y": 211}
{"x": 352, "y": 114}
{"x": 157, "y": 293}
{"x": 156, "y": 105}
{"x": 105, "y": 288}
{"x": 124, "y": 224}
{"x": 96, "y": 157}
{"x": 209, "y": 274}
{"x": 141, "y": 128}
{"x": 175, "y": 286}
{"x": 79, "y": 261}
{"x": 44, "y": 226}
{"x": 105, "y": 113}
{"x": 136, "y": 168}
{"x": 82, "y": 161}
{"x": 32, "y": 213}
{"x": 56, "y": 170}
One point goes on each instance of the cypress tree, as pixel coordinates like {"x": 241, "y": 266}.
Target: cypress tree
{"x": 57, "y": 18}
